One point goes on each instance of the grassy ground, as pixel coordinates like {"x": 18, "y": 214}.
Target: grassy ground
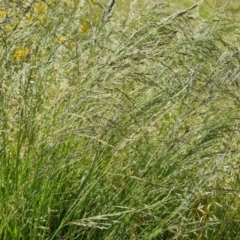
{"x": 121, "y": 128}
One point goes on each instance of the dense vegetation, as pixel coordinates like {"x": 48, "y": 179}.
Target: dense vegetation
{"x": 118, "y": 127}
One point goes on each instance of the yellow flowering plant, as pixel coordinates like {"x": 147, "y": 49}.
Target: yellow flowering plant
{"x": 20, "y": 53}
{"x": 85, "y": 25}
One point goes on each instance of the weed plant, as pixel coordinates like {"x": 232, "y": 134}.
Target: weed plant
{"x": 116, "y": 129}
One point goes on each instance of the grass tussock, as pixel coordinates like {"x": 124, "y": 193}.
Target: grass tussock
{"x": 118, "y": 129}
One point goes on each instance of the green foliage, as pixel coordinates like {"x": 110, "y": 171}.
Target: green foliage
{"x": 118, "y": 130}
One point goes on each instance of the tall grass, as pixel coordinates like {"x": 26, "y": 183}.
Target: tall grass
{"x": 128, "y": 130}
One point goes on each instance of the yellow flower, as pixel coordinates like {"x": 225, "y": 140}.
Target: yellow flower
{"x": 61, "y": 39}
{"x": 40, "y": 8}
{"x": 20, "y": 53}
{"x": 8, "y": 27}
{"x": 84, "y": 27}
{"x": 2, "y": 14}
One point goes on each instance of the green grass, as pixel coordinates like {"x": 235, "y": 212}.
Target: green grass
{"x": 129, "y": 130}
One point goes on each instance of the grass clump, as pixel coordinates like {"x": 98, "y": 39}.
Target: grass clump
{"x": 118, "y": 130}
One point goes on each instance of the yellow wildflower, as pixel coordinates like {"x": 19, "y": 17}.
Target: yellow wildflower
{"x": 61, "y": 39}
{"x": 2, "y": 14}
{"x": 40, "y": 8}
{"x": 84, "y": 27}
{"x": 8, "y": 27}
{"x": 20, "y": 53}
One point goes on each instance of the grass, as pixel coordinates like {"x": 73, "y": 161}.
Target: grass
{"x": 121, "y": 129}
